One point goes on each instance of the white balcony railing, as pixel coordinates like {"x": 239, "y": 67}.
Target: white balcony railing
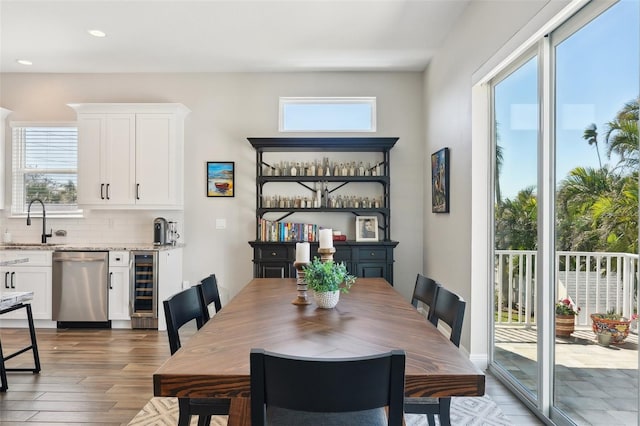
{"x": 596, "y": 282}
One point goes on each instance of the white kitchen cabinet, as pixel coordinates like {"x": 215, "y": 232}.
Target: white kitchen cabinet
{"x": 3, "y": 129}
{"x": 119, "y": 285}
{"x": 130, "y": 155}
{"x": 106, "y": 159}
{"x": 169, "y": 279}
{"x": 34, "y": 275}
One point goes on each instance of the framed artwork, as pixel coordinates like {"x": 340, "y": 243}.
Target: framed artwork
{"x": 220, "y": 178}
{"x": 440, "y": 181}
{"x": 366, "y": 228}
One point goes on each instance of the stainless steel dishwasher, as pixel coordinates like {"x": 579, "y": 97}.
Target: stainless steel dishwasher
{"x": 81, "y": 288}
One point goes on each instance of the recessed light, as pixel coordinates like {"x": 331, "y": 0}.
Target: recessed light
{"x": 24, "y": 62}
{"x": 97, "y": 33}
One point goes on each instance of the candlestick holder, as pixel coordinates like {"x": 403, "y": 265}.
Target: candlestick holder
{"x": 326, "y": 254}
{"x": 301, "y": 285}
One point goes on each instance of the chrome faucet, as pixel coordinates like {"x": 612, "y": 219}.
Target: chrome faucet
{"x": 44, "y": 220}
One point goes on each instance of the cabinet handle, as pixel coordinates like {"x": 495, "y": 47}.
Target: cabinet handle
{"x": 102, "y": 191}
{"x": 13, "y": 285}
{"x": 6, "y": 280}
{"x": 108, "y": 196}
{"x": 372, "y": 254}
{"x": 137, "y": 191}
{"x": 110, "y": 280}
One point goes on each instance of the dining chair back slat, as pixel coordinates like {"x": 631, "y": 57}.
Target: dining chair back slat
{"x": 209, "y": 294}
{"x": 425, "y": 291}
{"x": 449, "y": 308}
{"x": 180, "y": 309}
{"x": 352, "y": 391}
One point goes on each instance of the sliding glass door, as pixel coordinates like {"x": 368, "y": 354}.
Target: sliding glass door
{"x": 596, "y": 214}
{"x": 565, "y": 219}
{"x": 515, "y": 132}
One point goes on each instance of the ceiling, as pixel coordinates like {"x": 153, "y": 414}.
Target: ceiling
{"x": 223, "y": 36}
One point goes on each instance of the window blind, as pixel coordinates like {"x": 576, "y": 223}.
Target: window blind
{"x": 45, "y": 166}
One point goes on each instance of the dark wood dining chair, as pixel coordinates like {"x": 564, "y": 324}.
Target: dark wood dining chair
{"x": 287, "y": 390}
{"x": 180, "y": 309}
{"x": 448, "y": 308}
{"x": 209, "y": 294}
{"x": 425, "y": 291}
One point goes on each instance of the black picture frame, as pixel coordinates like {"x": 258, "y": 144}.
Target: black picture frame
{"x": 221, "y": 179}
{"x": 440, "y": 181}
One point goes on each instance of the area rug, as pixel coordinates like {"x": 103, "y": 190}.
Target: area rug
{"x": 464, "y": 411}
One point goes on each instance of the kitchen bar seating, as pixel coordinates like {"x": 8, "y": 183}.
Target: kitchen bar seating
{"x": 180, "y": 309}
{"x": 12, "y": 302}
{"x": 290, "y": 390}
{"x": 448, "y": 308}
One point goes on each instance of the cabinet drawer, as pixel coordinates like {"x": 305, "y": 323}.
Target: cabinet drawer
{"x": 273, "y": 253}
{"x": 36, "y": 257}
{"x": 342, "y": 255}
{"x": 372, "y": 255}
{"x": 118, "y": 258}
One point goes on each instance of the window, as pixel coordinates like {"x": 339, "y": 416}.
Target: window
{"x": 45, "y": 166}
{"x": 328, "y": 114}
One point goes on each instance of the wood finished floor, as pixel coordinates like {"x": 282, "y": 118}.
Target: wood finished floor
{"x": 88, "y": 376}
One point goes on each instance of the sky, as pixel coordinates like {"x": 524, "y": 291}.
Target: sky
{"x": 597, "y": 72}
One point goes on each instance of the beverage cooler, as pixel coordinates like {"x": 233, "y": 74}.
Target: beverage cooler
{"x": 144, "y": 289}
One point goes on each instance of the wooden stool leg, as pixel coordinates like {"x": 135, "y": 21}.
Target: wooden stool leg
{"x": 34, "y": 343}
{"x": 3, "y": 373}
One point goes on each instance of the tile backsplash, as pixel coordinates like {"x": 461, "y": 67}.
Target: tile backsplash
{"x": 97, "y": 226}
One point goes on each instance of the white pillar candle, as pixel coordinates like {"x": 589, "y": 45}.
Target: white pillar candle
{"x": 326, "y": 238}
{"x": 302, "y": 252}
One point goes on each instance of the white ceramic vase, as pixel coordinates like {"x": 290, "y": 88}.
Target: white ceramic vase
{"x": 326, "y": 300}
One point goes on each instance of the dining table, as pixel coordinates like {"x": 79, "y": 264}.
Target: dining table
{"x": 372, "y": 318}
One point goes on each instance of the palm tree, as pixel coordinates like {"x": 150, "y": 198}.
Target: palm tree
{"x": 577, "y": 194}
{"x": 517, "y": 221}
{"x": 591, "y": 136}
{"x": 622, "y": 134}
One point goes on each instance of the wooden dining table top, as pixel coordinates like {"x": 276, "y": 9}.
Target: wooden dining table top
{"x": 372, "y": 318}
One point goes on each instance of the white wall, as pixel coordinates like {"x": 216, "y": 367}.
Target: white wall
{"x": 482, "y": 30}
{"x": 226, "y": 108}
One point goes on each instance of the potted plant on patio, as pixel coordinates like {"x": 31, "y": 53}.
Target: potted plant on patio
{"x": 327, "y": 280}
{"x": 566, "y": 312}
{"x": 612, "y": 322}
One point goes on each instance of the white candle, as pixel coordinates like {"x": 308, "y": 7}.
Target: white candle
{"x": 302, "y": 252}
{"x": 326, "y": 238}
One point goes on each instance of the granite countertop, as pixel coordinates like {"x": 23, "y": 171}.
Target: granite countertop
{"x": 87, "y": 246}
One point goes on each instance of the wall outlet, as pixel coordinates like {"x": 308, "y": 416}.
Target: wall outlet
{"x": 221, "y": 223}
{"x": 185, "y": 284}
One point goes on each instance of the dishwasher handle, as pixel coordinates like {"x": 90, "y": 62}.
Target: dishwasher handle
{"x": 78, "y": 259}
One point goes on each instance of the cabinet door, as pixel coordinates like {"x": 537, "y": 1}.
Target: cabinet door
{"x": 106, "y": 165}
{"x": 30, "y": 278}
{"x": 169, "y": 279}
{"x": 118, "y": 153}
{"x": 119, "y": 293}
{"x": 372, "y": 270}
{"x": 91, "y": 134}
{"x": 274, "y": 270}
{"x": 157, "y": 156}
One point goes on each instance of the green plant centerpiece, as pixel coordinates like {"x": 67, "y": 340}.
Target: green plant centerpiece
{"x": 327, "y": 280}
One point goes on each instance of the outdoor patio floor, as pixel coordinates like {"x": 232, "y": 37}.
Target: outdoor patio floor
{"x": 596, "y": 385}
